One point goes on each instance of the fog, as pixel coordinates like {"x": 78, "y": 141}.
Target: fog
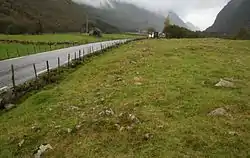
{"x": 201, "y": 13}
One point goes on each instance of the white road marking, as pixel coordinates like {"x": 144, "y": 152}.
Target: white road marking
{"x": 41, "y": 72}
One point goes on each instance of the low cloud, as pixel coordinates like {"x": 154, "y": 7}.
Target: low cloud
{"x": 201, "y": 13}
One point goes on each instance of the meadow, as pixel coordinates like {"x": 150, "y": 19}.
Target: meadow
{"x": 149, "y": 98}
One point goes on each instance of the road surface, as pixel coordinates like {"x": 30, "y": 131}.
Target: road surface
{"x": 23, "y": 66}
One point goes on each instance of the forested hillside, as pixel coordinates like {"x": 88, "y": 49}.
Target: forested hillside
{"x": 234, "y": 16}
{"x": 34, "y": 16}
{"x": 42, "y": 16}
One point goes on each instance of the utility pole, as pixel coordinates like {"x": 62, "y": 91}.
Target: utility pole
{"x": 87, "y": 23}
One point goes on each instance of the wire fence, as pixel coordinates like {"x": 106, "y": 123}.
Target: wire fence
{"x": 52, "y": 72}
{"x": 72, "y": 59}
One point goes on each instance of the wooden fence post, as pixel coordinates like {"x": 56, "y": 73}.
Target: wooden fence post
{"x": 13, "y": 76}
{"x": 80, "y": 54}
{"x": 47, "y": 63}
{"x": 68, "y": 60}
{"x": 58, "y": 64}
{"x": 34, "y": 66}
{"x": 75, "y": 56}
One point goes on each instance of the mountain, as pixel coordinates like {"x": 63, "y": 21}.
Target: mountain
{"x": 176, "y": 20}
{"x": 34, "y": 16}
{"x": 128, "y": 17}
{"x": 31, "y": 16}
{"x": 234, "y": 16}
{"x": 192, "y": 27}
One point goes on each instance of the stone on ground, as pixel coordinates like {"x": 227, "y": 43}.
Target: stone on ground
{"x": 218, "y": 112}
{"x": 9, "y": 106}
{"x": 42, "y": 149}
{"x": 225, "y": 83}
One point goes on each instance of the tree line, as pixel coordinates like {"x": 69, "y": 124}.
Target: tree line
{"x": 174, "y": 31}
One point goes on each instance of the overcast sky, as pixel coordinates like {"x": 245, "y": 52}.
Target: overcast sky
{"x": 201, "y": 13}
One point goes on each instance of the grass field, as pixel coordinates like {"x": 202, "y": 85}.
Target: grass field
{"x": 160, "y": 93}
{"x": 73, "y": 37}
{"x": 15, "y": 49}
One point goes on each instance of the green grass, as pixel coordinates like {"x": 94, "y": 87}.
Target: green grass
{"x": 15, "y": 50}
{"x": 73, "y": 37}
{"x": 167, "y": 84}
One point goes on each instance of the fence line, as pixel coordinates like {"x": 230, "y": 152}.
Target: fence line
{"x": 34, "y": 66}
{"x": 90, "y": 50}
{"x": 13, "y": 76}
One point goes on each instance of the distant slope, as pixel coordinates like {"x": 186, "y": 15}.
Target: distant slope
{"x": 129, "y": 17}
{"x": 235, "y": 15}
{"x": 32, "y": 16}
{"x": 192, "y": 27}
{"x": 27, "y": 16}
{"x": 176, "y": 20}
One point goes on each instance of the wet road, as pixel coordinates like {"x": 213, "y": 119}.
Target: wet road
{"x": 23, "y": 66}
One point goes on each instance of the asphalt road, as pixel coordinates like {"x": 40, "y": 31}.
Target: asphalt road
{"x": 23, "y": 66}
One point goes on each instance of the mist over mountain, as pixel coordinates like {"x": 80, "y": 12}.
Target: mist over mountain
{"x": 30, "y": 16}
{"x": 130, "y": 17}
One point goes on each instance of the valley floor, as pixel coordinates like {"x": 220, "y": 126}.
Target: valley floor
{"x": 149, "y": 98}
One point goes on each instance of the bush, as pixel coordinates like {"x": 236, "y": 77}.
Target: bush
{"x": 15, "y": 29}
{"x": 173, "y": 31}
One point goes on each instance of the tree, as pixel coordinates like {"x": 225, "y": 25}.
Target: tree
{"x": 166, "y": 25}
{"x": 167, "y": 22}
{"x": 174, "y": 31}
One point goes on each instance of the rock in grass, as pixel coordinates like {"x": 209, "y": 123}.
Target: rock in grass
{"x": 36, "y": 129}
{"x": 138, "y": 81}
{"x": 218, "y": 112}
{"x": 75, "y": 108}
{"x": 21, "y": 143}
{"x": 148, "y": 136}
{"x": 69, "y": 130}
{"x": 42, "y": 149}
{"x": 233, "y": 133}
{"x": 134, "y": 119}
{"x": 9, "y": 106}
{"x": 225, "y": 83}
{"x": 106, "y": 112}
